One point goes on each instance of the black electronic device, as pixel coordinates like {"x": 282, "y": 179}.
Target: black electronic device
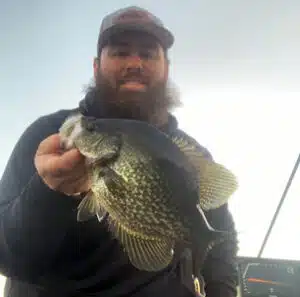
{"x": 261, "y": 277}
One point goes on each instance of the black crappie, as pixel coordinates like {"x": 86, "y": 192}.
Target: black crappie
{"x": 152, "y": 189}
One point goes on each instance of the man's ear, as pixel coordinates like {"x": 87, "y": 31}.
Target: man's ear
{"x": 96, "y": 65}
{"x": 167, "y": 66}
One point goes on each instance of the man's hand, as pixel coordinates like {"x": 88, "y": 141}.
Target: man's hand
{"x": 65, "y": 172}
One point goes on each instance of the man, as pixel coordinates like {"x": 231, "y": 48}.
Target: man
{"x": 43, "y": 250}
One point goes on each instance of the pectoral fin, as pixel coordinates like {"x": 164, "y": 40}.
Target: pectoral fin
{"x": 103, "y": 151}
{"x": 90, "y": 207}
{"x": 115, "y": 183}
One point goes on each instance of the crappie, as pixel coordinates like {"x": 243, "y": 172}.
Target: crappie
{"x": 151, "y": 189}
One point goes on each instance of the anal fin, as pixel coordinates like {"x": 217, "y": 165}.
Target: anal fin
{"x": 145, "y": 253}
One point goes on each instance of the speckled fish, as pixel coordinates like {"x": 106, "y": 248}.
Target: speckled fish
{"x": 153, "y": 188}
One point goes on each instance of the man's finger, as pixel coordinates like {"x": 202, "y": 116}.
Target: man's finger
{"x": 72, "y": 186}
{"x": 50, "y": 145}
{"x": 57, "y": 165}
{"x": 71, "y": 159}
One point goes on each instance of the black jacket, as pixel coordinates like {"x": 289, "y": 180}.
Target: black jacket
{"x": 41, "y": 244}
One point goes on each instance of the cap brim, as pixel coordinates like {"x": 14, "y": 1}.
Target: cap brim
{"x": 164, "y": 36}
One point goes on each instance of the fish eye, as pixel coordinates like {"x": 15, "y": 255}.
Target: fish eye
{"x": 88, "y": 124}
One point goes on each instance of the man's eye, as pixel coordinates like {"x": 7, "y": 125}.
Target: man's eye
{"x": 143, "y": 54}
{"x": 146, "y": 55}
{"x": 123, "y": 53}
{"x": 120, "y": 53}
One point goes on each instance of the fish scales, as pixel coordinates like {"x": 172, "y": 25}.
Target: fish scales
{"x": 152, "y": 198}
{"x": 144, "y": 211}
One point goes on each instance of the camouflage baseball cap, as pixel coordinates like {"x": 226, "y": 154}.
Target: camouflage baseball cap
{"x": 134, "y": 18}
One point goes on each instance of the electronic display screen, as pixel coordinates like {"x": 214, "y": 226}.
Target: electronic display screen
{"x": 261, "y": 277}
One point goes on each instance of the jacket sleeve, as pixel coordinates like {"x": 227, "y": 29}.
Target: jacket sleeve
{"x": 33, "y": 218}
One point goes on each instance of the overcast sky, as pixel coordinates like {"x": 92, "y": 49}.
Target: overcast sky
{"x": 235, "y": 62}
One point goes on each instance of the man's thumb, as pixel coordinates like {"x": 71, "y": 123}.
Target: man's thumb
{"x": 50, "y": 145}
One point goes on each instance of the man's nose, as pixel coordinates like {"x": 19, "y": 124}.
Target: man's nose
{"x": 134, "y": 62}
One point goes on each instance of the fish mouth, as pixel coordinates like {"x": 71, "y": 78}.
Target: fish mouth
{"x": 67, "y": 141}
{"x": 65, "y": 132}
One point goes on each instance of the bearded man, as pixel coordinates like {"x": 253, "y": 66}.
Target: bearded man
{"x": 43, "y": 250}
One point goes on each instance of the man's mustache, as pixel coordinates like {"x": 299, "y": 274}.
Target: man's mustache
{"x": 134, "y": 74}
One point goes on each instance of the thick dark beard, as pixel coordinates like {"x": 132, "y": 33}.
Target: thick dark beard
{"x": 152, "y": 105}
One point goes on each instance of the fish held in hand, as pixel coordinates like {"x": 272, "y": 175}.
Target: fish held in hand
{"x": 152, "y": 186}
